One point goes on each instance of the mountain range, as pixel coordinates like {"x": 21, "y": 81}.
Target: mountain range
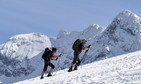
{"x": 20, "y": 55}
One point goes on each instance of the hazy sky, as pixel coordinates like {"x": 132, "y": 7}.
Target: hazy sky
{"x": 50, "y": 16}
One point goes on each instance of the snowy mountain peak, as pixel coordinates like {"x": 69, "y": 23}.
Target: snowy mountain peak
{"x": 32, "y": 44}
{"x": 62, "y": 33}
{"x": 24, "y": 35}
{"x": 127, "y": 21}
{"x": 16, "y": 53}
{"x": 127, "y": 13}
{"x": 122, "y": 35}
{"x": 93, "y": 28}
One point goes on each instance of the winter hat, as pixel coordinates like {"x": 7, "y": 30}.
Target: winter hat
{"x": 54, "y": 49}
{"x": 84, "y": 40}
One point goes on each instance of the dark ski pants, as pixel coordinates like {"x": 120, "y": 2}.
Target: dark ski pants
{"x": 48, "y": 63}
{"x": 76, "y": 58}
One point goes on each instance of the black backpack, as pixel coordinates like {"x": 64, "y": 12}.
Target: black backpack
{"x": 44, "y": 56}
{"x": 76, "y": 44}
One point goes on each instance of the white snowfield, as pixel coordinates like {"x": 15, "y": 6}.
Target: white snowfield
{"x": 123, "y": 69}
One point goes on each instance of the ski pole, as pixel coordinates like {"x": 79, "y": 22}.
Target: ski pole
{"x": 57, "y": 59}
{"x": 59, "y": 56}
{"x": 85, "y": 53}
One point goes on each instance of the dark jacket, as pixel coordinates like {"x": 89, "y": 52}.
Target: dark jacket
{"x": 80, "y": 47}
{"x": 49, "y": 56}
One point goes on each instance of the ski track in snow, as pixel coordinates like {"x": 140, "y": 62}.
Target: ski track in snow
{"x": 123, "y": 69}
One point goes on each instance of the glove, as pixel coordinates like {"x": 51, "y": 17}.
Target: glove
{"x": 56, "y": 58}
{"x": 60, "y": 55}
{"x": 89, "y": 46}
{"x": 86, "y": 51}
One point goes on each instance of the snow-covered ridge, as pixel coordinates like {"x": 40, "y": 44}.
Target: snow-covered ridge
{"x": 25, "y": 45}
{"x": 123, "y": 69}
{"x": 16, "y": 53}
{"x": 92, "y": 30}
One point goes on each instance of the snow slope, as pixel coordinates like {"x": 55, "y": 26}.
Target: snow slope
{"x": 123, "y": 69}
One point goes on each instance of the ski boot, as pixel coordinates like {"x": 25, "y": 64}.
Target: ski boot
{"x": 70, "y": 69}
{"x": 75, "y": 68}
{"x": 49, "y": 74}
{"x": 42, "y": 77}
